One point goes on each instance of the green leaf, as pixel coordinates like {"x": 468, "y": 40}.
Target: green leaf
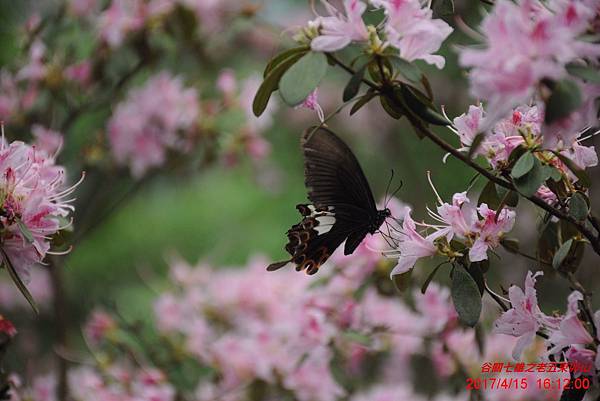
{"x": 353, "y": 85}
{"x": 510, "y": 244}
{"x": 364, "y": 99}
{"x": 530, "y": 182}
{"x": 443, "y": 8}
{"x": 561, "y": 254}
{"x": 278, "y": 59}
{"x": 578, "y": 206}
{"x": 429, "y": 278}
{"x": 523, "y": 165}
{"x": 507, "y": 197}
{"x": 565, "y": 98}
{"x": 302, "y": 78}
{"x": 476, "y": 270}
{"x": 18, "y": 282}
{"x": 270, "y": 85}
{"x": 422, "y": 106}
{"x": 357, "y": 337}
{"x": 25, "y": 231}
{"x": 392, "y": 108}
{"x": 581, "y": 175}
{"x": 489, "y": 196}
{"x": 585, "y": 72}
{"x": 475, "y": 144}
{"x": 466, "y": 296}
{"x": 407, "y": 69}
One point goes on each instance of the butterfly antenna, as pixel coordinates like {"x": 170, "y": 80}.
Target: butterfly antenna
{"x": 395, "y": 192}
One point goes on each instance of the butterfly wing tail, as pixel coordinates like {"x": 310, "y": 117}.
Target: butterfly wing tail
{"x": 277, "y": 265}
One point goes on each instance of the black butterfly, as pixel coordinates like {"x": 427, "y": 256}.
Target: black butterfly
{"x": 342, "y": 209}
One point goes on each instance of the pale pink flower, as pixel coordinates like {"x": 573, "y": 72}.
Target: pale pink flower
{"x": 313, "y": 381}
{"x": 33, "y": 202}
{"x": 411, "y": 28}
{"x": 83, "y": 8}
{"x": 545, "y": 194}
{"x": 46, "y": 140}
{"x": 339, "y": 30}
{"x": 80, "y": 72}
{"x": 157, "y": 117}
{"x": 460, "y": 216}
{"x": 227, "y": 83}
{"x": 490, "y": 231}
{"x": 312, "y": 103}
{"x": 524, "y": 318}
{"x": 525, "y": 42}
{"x": 119, "y": 19}
{"x": 436, "y": 307}
{"x": 44, "y": 388}
{"x": 35, "y": 69}
{"x": 570, "y": 329}
{"x": 413, "y": 246}
{"x": 99, "y": 326}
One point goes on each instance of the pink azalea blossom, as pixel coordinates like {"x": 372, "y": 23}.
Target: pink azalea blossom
{"x": 155, "y": 118}
{"x": 46, "y": 140}
{"x": 525, "y": 42}
{"x": 99, "y": 326}
{"x": 34, "y": 200}
{"x": 524, "y": 318}
{"x": 411, "y": 28}
{"x": 412, "y": 245}
{"x": 119, "y": 19}
{"x": 312, "y": 103}
{"x": 490, "y": 230}
{"x": 570, "y": 329}
{"x": 80, "y": 73}
{"x": 339, "y": 30}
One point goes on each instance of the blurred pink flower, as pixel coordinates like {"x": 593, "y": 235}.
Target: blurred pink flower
{"x": 35, "y": 69}
{"x": 153, "y": 119}
{"x": 119, "y": 19}
{"x": 99, "y": 325}
{"x": 570, "y": 329}
{"x": 525, "y": 318}
{"x": 525, "y": 42}
{"x": 80, "y": 73}
{"x": 339, "y": 30}
{"x": 6, "y": 327}
{"x": 46, "y": 140}
{"x": 312, "y": 381}
{"x": 83, "y": 8}
{"x": 411, "y": 28}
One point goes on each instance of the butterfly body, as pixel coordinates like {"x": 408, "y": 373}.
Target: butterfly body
{"x": 342, "y": 208}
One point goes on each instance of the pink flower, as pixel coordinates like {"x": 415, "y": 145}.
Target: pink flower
{"x": 312, "y": 103}
{"x": 35, "y": 70}
{"x": 570, "y": 330}
{"x": 80, "y": 72}
{"x": 158, "y": 117}
{"x": 46, "y": 140}
{"x": 525, "y": 42}
{"x": 338, "y": 30}
{"x": 490, "y": 231}
{"x": 459, "y": 219}
{"x": 312, "y": 380}
{"x": 32, "y": 202}
{"x": 412, "y": 30}
{"x": 99, "y": 326}
{"x": 82, "y": 8}
{"x": 119, "y": 19}
{"x": 412, "y": 246}
{"x": 227, "y": 83}
{"x": 524, "y": 318}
